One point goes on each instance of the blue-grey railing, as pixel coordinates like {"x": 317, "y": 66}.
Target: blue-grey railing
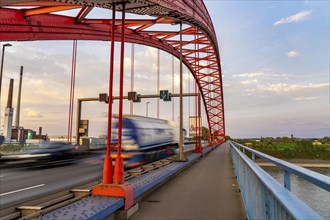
{"x": 263, "y": 196}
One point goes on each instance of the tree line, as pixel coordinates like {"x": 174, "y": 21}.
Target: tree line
{"x": 285, "y": 147}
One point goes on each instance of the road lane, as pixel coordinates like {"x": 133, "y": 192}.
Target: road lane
{"x": 53, "y": 179}
{"x": 19, "y": 190}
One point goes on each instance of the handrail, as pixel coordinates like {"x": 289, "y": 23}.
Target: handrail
{"x": 250, "y": 176}
{"x": 317, "y": 179}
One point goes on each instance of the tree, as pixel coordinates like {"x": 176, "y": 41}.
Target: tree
{"x": 205, "y": 134}
{"x": 228, "y": 138}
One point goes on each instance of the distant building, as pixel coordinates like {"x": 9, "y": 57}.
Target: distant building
{"x": 248, "y": 144}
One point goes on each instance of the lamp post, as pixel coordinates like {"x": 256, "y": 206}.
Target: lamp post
{"x": 182, "y": 158}
{"x": 2, "y": 59}
{"x": 147, "y": 103}
{"x": 181, "y": 155}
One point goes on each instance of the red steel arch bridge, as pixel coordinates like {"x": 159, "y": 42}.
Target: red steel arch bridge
{"x": 27, "y": 20}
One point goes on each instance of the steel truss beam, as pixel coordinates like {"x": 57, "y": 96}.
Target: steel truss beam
{"x": 37, "y": 23}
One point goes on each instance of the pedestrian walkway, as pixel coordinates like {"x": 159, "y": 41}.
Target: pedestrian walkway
{"x": 206, "y": 190}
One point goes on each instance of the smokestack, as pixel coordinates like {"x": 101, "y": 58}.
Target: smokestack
{"x": 40, "y": 131}
{"x": 10, "y": 94}
{"x": 9, "y": 113}
{"x": 18, "y": 106}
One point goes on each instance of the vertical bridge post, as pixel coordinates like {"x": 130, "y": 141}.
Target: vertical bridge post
{"x": 118, "y": 188}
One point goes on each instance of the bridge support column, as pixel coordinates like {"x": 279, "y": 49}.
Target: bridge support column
{"x": 198, "y": 148}
{"x": 118, "y": 188}
{"x": 119, "y": 166}
{"x": 107, "y": 167}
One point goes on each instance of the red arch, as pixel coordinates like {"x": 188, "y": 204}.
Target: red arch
{"x": 22, "y": 24}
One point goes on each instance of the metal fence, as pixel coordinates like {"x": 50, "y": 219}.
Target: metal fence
{"x": 263, "y": 196}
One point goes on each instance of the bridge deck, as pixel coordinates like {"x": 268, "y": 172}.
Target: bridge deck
{"x": 207, "y": 190}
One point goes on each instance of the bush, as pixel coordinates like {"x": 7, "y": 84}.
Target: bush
{"x": 10, "y": 148}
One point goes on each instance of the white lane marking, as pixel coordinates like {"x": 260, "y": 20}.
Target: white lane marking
{"x": 19, "y": 190}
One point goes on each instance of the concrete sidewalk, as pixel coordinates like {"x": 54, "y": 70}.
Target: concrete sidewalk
{"x": 206, "y": 190}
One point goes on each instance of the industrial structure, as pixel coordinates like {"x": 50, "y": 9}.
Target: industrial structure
{"x": 16, "y": 133}
{"x": 8, "y": 121}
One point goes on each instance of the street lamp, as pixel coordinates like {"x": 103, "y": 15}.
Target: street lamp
{"x": 181, "y": 156}
{"x": 2, "y": 59}
{"x": 147, "y": 103}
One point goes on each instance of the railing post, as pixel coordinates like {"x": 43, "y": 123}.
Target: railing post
{"x": 253, "y": 157}
{"x": 287, "y": 182}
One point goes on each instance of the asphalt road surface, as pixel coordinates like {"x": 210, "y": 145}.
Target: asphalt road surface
{"x": 19, "y": 185}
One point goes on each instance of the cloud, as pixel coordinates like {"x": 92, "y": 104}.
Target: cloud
{"x": 267, "y": 74}
{"x": 43, "y": 91}
{"x": 306, "y": 98}
{"x": 293, "y": 18}
{"x": 32, "y": 113}
{"x": 249, "y": 82}
{"x": 280, "y": 75}
{"x": 287, "y": 88}
{"x": 292, "y": 53}
{"x": 249, "y": 75}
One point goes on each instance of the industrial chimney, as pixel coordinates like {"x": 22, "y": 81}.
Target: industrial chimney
{"x": 9, "y": 113}
{"x": 18, "y": 106}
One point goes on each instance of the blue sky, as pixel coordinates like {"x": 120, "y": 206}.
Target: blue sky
{"x": 275, "y": 62}
{"x": 275, "y": 57}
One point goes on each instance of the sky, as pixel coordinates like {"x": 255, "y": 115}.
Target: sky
{"x": 275, "y": 66}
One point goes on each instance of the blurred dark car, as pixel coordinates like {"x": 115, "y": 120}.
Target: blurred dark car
{"x": 46, "y": 153}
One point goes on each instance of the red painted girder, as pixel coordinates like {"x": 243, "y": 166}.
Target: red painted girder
{"x": 199, "y": 12}
{"x": 83, "y": 13}
{"x": 192, "y": 12}
{"x": 14, "y": 27}
{"x": 158, "y": 20}
{"x": 36, "y": 3}
{"x": 45, "y": 10}
{"x": 187, "y": 31}
{"x": 137, "y": 22}
{"x": 177, "y": 44}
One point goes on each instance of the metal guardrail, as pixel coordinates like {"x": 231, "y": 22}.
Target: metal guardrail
{"x": 263, "y": 196}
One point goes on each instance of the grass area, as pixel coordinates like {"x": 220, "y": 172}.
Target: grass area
{"x": 294, "y": 148}
{"x": 11, "y": 148}
{"x": 293, "y": 154}
{"x": 285, "y": 146}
